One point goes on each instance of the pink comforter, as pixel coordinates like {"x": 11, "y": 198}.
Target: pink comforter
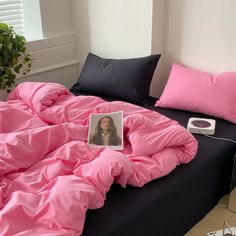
{"x": 49, "y": 176}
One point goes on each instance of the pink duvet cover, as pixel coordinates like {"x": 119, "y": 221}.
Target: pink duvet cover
{"x": 49, "y": 176}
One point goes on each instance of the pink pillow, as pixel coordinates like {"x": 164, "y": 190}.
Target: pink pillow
{"x": 196, "y": 91}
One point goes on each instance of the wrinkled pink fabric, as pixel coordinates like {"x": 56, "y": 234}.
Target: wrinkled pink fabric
{"x": 49, "y": 176}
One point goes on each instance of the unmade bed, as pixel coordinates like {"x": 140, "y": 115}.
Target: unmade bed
{"x": 173, "y": 204}
{"x": 50, "y": 176}
{"x": 163, "y": 181}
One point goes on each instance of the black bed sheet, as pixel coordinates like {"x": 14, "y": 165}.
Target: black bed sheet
{"x": 171, "y": 205}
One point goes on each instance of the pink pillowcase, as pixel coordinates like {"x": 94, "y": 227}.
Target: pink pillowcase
{"x": 196, "y": 91}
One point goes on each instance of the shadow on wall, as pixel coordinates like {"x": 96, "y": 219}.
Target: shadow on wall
{"x": 171, "y": 41}
{"x": 167, "y": 22}
{"x": 82, "y": 24}
{"x": 201, "y": 35}
{"x": 158, "y": 32}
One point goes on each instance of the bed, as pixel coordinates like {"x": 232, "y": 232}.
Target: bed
{"x": 50, "y": 177}
{"x": 173, "y": 204}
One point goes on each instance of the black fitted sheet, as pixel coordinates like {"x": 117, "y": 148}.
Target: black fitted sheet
{"x": 171, "y": 205}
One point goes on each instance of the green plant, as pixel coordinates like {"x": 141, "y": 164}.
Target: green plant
{"x": 13, "y": 57}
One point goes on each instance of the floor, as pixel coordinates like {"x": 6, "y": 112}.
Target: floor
{"x": 214, "y": 220}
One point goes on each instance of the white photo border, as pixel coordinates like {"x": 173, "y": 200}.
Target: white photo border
{"x": 117, "y": 117}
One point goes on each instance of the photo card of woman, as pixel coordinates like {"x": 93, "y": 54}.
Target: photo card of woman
{"x": 106, "y": 130}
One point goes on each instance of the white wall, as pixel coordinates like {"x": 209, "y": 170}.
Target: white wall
{"x": 55, "y": 56}
{"x": 56, "y": 17}
{"x": 113, "y": 29}
{"x": 197, "y": 33}
{"x": 201, "y": 34}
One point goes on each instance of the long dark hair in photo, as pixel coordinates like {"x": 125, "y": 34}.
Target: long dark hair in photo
{"x": 97, "y": 138}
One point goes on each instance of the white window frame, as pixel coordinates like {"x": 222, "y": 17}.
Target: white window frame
{"x": 50, "y": 51}
{"x": 24, "y": 16}
{"x": 32, "y": 20}
{"x": 11, "y": 12}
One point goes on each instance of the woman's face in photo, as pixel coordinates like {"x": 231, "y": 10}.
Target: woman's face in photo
{"x": 105, "y": 124}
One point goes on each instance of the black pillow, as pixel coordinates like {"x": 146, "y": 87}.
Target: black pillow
{"x": 125, "y": 79}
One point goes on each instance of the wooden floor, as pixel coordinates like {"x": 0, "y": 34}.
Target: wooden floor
{"x": 214, "y": 220}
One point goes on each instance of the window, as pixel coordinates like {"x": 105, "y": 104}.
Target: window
{"x": 11, "y": 12}
{"x": 24, "y": 16}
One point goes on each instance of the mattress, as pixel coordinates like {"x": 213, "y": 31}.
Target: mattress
{"x": 173, "y": 204}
